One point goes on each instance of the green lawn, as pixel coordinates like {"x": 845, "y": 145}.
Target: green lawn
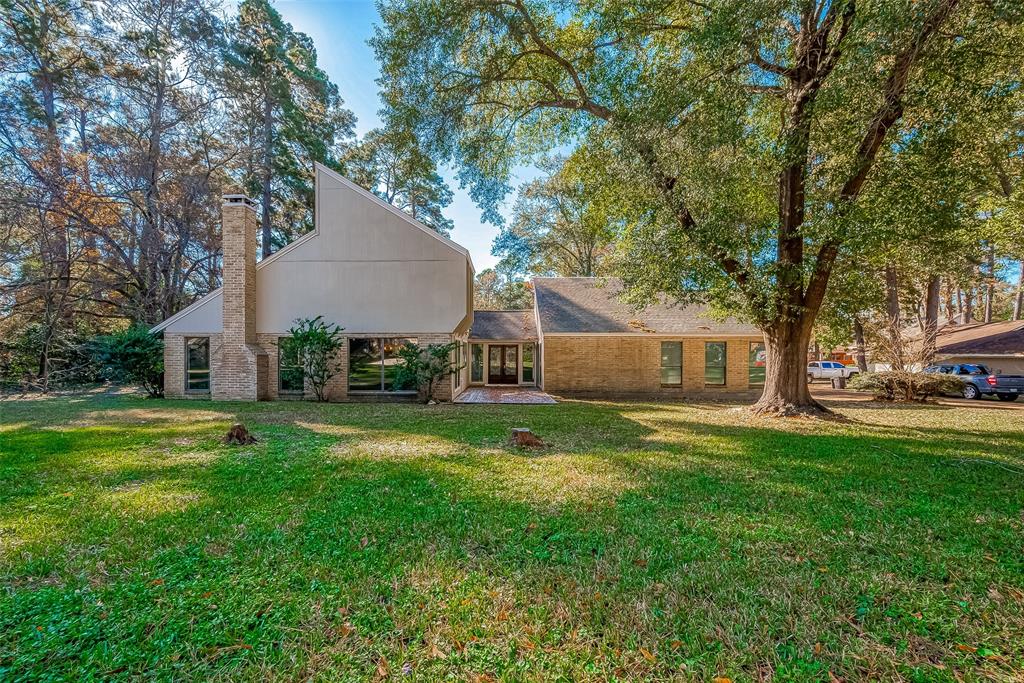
{"x": 648, "y": 541}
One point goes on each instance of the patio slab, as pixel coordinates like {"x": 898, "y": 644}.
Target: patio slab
{"x": 526, "y": 395}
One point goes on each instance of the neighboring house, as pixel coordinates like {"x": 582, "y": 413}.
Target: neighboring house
{"x": 388, "y": 280}
{"x": 998, "y": 346}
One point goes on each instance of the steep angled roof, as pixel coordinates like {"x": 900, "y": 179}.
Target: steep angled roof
{"x": 587, "y": 305}
{"x": 500, "y": 325}
{"x": 982, "y": 338}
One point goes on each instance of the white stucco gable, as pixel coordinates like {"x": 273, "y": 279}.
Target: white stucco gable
{"x": 367, "y": 266}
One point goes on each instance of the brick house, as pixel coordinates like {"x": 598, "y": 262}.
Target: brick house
{"x": 388, "y": 280}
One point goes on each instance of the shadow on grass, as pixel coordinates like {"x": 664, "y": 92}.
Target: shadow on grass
{"x": 352, "y": 533}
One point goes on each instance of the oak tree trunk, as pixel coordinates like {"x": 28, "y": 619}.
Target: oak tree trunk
{"x": 785, "y": 384}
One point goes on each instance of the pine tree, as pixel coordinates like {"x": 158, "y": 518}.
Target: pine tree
{"x": 289, "y": 115}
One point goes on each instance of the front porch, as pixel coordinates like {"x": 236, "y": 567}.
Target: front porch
{"x": 509, "y": 394}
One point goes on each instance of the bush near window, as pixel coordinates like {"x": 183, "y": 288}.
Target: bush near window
{"x": 899, "y": 385}
{"x": 317, "y": 344}
{"x": 133, "y": 356}
{"x": 425, "y": 367}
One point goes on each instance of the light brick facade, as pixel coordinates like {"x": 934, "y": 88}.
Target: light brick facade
{"x": 631, "y": 365}
{"x": 242, "y": 365}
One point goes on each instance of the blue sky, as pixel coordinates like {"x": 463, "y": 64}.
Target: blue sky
{"x": 340, "y": 29}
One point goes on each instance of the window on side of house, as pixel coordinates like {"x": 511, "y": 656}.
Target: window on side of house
{"x": 197, "y": 365}
{"x": 756, "y": 366}
{"x": 528, "y": 364}
{"x": 714, "y": 363}
{"x": 672, "y": 363}
{"x": 290, "y": 379}
{"x": 373, "y": 364}
{"x": 476, "y": 373}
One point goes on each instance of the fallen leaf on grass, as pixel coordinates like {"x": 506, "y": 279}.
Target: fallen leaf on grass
{"x": 640, "y": 563}
{"x": 648, "y": 655}
{"x": 721, "y": 679}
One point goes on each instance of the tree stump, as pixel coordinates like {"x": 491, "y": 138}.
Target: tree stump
{"x": 238, "y": 435}
{"x": 524, "y": 438}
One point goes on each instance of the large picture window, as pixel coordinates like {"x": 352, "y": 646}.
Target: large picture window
{"x": 714, "y": 363}
{"x": 671, "y": 363}
{"x": 373, "y": 364}
{"x": 476, "y": 373}
{"x": 290, "y": 378}
{"x": 757, "y": 364}
{"x": 197, "y": 365}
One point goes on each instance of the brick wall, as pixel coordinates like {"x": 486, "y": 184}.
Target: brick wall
{"x": 174, "y": 364}
{"x": 632, "y": 365}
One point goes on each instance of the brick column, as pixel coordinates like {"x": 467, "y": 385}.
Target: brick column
{"x": 243, "y": 367}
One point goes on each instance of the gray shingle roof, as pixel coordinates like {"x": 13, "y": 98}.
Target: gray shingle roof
{"x": 503, "y": 325}
{"x": 585, "y": 305}
{"x": 982, "y": 338}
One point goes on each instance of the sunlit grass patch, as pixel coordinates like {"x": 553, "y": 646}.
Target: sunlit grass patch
{"x": 646, "y": 540}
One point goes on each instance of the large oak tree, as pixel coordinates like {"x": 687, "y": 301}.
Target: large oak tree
{"x": 745, "y": 131}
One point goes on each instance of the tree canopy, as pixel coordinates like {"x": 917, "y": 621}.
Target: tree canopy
{"x": 743, "y": 134}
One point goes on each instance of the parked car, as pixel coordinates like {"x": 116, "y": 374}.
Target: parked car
{"x": 979, "y": 381}
{"x": 828, "y": 369}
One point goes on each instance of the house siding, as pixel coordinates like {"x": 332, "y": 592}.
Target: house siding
{"x": 623, "y": 365}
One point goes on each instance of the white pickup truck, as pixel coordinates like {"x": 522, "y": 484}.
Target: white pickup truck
{"x": 829, "y": 369}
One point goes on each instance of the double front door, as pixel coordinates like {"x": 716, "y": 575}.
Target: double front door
{"x": 503, "y": 364}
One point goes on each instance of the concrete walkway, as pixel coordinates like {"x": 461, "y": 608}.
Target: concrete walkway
{"x": 526, "y": 395}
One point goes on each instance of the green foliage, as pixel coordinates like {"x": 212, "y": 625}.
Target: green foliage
{"x": 317, "y": 344}
{"x": 287, "y": 112}
{"x": 392, "y": 165}
{"x": 70, "y": 361}
{"x": 899, "y": 385}
{"x": 424, "y": 367}
{"x": 563, "y": 224}
{"x": 496, "y": 289}
{"x": 132, "y": 355}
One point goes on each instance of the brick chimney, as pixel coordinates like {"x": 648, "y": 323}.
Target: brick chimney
{"x": 242, "y": 375}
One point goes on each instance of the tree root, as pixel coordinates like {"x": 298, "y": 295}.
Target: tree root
{"x": 782, "y": 408}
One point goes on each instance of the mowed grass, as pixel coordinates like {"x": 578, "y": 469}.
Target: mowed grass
{"x": 648, "y": 541}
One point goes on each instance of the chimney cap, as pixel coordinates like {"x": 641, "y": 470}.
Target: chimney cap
{"x": 236, "y": 199}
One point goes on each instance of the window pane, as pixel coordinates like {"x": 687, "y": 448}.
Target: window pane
{"x": 757, "y": 363}
{"x": 364, "y": 368}
{"x": 197, "y": 368}
{"x": 671, "y": 376}
{"x": 392, "y": 362}
{"x": 671, "y": 354}
{"x": 289, "y": 372}
{"x": 527, "y": 362}
{"x": 478, "y": 363}
{"x": 714, "y": 363}
{"x": 671, "y": 362}
{"x": 494, "y": 361}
